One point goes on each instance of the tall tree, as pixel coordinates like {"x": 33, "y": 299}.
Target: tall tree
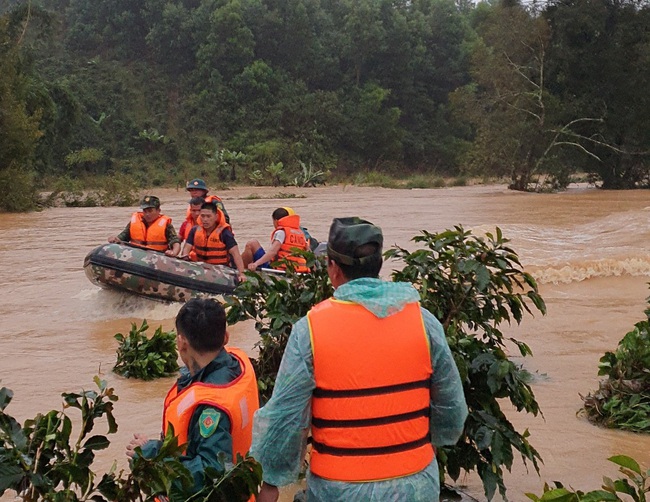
{"x": 600, "y": 62}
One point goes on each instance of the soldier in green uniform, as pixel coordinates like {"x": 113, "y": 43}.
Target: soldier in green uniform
{"x": 150, "y": 229}
{"x": 211, "y": 405}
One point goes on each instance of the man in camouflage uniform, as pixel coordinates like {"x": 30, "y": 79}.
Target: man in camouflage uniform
{"x": 151, "y": 218}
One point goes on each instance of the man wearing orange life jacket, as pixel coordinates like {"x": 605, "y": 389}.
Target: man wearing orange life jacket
{"x": 371, "y": 373}
{"x": 211, "y": 405}
{"x": 198, "y": 188}
{"x": 285, "y": 238}
{"x": 192, "y": 217}
{"x": 150, "y": 229}
{"x": 213, "y": 241}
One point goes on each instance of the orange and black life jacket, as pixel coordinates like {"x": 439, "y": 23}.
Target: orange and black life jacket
{"x": 151, "y": 237}
{"x": 237, "y": 399}
{"x": 371, "y": 404}
{"x": 210, "y": 248}
{"x": 294, "y": 237}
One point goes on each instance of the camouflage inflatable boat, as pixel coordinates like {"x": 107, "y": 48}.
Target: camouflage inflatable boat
{"x": 156, "y": 275}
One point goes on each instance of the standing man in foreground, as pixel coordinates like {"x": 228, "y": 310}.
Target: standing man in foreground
{"x": 150, "y": 229}
{"x": 212, "y": 403}
{"x": 371, "y": 373}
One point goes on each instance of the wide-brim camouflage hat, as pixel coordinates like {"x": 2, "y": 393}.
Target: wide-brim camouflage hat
{"x": 149, "y": 201}
{"x": 196, "y": 184}
{"x": 347, "y": 234}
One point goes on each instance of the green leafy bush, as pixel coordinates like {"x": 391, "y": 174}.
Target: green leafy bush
{"x": 84, "y": 158}
{"x": 473, "y": 285}
{"x": 39, "y": 462}
{"x": 146, "y": 358}
{"x": 636, "y": 490}
{"x": 623, "y": 398}
{"x": 17, "y": 192}
{"x": 276, "y": 303}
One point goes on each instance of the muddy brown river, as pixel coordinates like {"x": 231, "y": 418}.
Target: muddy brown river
{"x": 589, "y": 250}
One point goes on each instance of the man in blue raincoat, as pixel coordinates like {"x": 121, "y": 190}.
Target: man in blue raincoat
{"x": 370, "y": 373}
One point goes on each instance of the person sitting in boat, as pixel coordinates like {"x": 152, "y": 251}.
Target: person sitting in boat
{"x": 198, "y": 188}
{"x": 150, "y": 229}
{"x": 285, "y": 238}
{"x": 211, "y": 405}
{"x": 213, "y": 241}
{"x": 192, "y": 218}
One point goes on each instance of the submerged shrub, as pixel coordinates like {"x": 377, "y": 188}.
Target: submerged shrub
{"x": 146, "y": 358}
{"x": 622, "y": 400}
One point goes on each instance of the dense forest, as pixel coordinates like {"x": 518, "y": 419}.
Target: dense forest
{"x": 159, "y": 91}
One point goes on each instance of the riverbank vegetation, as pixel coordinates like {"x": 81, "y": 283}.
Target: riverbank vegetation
{"x": 302, "y": 91}
{"x": 473, "y": 285}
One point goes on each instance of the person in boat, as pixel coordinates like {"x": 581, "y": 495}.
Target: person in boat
{"x": 198, "y": 188}
{"x": 211, "y": 404}
{"x": 371, "y": 373}
{"x": 150, "y": 229}
{"x": 287, "y": 236}
{"x": 213, "y": 241}
{"x": 192, "y": 218}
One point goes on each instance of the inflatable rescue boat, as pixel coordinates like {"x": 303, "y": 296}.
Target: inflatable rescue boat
{"x": 156, "y": 275}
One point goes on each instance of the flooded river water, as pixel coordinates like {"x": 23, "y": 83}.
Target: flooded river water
{"x": 589, "y": 250}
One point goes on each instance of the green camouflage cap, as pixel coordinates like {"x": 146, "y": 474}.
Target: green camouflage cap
{"x": 347, "y": 234}
{"x": 196, "y": 184}
{"x": 150, "y": 201}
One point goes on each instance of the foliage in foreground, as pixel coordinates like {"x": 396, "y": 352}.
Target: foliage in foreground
{"x": 472, "y": 285}
{"x": 636, "y": 486}
{"x": 39, "y": 462}
{"x": 623, "y": 397}
{"x": 146, "y": 358}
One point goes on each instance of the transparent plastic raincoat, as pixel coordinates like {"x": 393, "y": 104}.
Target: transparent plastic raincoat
{"x": 280, "y": 428}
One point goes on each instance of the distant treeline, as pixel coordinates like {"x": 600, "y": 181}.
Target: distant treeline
{"x": 150, "y": 88}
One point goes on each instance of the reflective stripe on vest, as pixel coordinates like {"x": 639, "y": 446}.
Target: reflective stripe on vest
{"x": 210, "y": 248}
{"x": 237, "y": 399}
{"x": 151, "y": 237}
{"x": 370, "y": 408}
{"x": 294, "y": 238}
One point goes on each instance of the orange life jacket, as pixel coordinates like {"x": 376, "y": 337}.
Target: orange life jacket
{"x": 185, "y": 227}
{"x": 151, "y": 237}
{"x": 210, "y": 248}
{"x": 237, "y": 399}
{"x": 370, "y": 407}
{"x": 294, "y": 237}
